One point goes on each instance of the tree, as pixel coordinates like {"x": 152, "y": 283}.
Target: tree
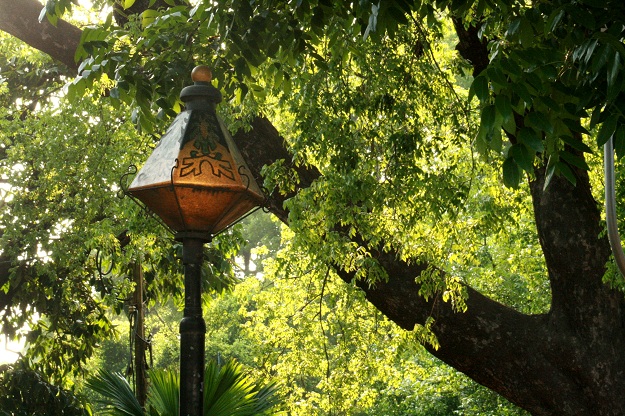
{"x": 381, "y": 158}
{"x": 332, "y": 352}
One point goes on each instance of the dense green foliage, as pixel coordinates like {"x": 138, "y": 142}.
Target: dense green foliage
{"x": 63, "y": 225}
{"x": 331, "y": 351}
{"x": 553, "y": 65}
{"x": 24, "y": 392}
{"x": 335, "y": 354}
{"x": 377, "y": 109}
{"x": 423, "y": 147}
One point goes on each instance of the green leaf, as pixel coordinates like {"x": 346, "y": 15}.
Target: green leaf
{"x": 479, "y": 88}
{"x": 600, "y": 58}
{"x": 496, "y": 142}
{"x": 241, "y": 68}
{"x": 521, "y": 90}
{"x": 574, "y": 160}
{"x": 510, "y": 67}
{"x": 488, "y": 117}
{"x": 607, "y": 129}
{"x": 582, "y": 16}
{"x": 497, "y": 76}
{"x": 511, "y": 173}
{"x": 564, "y": 169}
{"x": 148, "y": 17}
{"x": 611, "y": 40}
{"x": 116, "y": 393}
{"x": 535, "y": 81}
{"x": 502, "y": 103}
{"x": 529, "y": 138}
{"x": 513, "y": 29}
{"x": 51, "y": 12}
{"x": 614, "y": 68}
{"x": 539, "y": 121}
{"x": 526, "y": 33}
{"x": 554, "y": 19}
{"x": 551, "y": 169}
{"x": 523, "y": 157}
{"x": 42, "y": 14}
{"x": 550, "y": 103}
{"x": 114, "y": 93}
{"x": 164, "y": 392}
{"x": 574, "y": 125}
{"x": 481, "y": 141}
{"x": 576, "y": 144}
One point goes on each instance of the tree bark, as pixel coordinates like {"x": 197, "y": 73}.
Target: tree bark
{"x": 21, "y": 19}
{"x": 568, "y": 361}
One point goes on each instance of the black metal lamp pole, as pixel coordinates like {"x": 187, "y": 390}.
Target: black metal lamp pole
{"x": 198, "y": 184}
{"x": 192, "y": 326}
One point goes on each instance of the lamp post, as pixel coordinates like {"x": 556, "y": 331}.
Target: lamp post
{"x": 197, "y": 182}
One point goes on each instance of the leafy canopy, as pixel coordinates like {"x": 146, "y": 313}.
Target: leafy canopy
{"x": 370, "y": 94}
{"x": 66, "y": 258}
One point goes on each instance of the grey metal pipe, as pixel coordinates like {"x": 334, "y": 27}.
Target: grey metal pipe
{"x": 610, "y": 206}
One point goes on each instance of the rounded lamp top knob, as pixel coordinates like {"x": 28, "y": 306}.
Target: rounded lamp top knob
{"x": 201, "y": 73}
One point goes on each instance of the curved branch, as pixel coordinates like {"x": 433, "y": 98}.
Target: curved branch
{"x": 21, "y": 19}
{"x": 475, "y": 342}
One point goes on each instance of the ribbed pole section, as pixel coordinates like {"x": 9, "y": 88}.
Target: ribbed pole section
{"x": 192, "y": 328}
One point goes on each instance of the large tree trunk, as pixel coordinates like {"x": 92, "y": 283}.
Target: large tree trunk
{"x": 568, "y": 361}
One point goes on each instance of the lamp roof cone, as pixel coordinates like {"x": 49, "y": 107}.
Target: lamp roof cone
{"x": 196, "y": 180}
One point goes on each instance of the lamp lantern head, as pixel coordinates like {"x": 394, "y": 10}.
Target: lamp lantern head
{"x": 196, "y": 180}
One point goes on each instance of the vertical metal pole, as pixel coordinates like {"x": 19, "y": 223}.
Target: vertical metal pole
{"x": 192, "y": 329}
{"x": 610, "y": 205}
{"x": 141, "y": 382}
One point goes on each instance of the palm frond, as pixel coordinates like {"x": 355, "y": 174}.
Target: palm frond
{"x": 117, "y": 394}
{"x": 229, "y": 391}
{"x": 267, "y": 398}
{"x": 164, "y": 392}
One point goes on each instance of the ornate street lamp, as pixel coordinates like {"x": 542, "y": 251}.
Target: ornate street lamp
{"x": 197, "y": 182}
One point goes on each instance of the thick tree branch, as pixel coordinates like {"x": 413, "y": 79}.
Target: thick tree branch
{"x": 569, "y": 226}
{"x": 568, "y": 221}
{"x": 262, "y": 145}
{"x": 470, "y": 46}
{"x": 577, "y": 344}
{"x": 20, "y": 19}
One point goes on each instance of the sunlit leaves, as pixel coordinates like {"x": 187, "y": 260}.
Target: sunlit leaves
{"x": 557, "y": 62}
{"x": 380, "y": 117}
{"x": 54, "y": 9}
{"x": 318, "y": 336}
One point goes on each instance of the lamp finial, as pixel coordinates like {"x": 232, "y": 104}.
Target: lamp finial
{"x": 201, "y": 73}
